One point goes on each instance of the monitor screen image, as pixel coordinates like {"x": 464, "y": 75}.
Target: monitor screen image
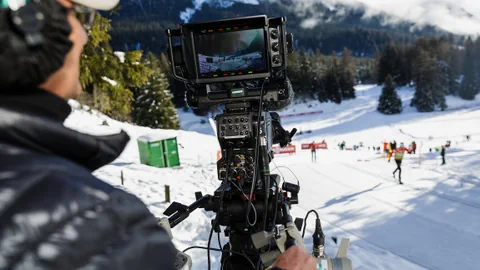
{"x": 231, "y": 52}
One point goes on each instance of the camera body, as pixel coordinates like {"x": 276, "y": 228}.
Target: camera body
{"x": 231, "y": 61}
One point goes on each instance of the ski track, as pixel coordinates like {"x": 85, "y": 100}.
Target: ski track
{"x": 417, "y": 260}
{"x": 473, "y": 205}
{"x": 356, "y": 243}
{"x": 337, "y": 181}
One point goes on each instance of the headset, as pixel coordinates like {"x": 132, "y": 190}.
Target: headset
{"x": 34, "y": 40}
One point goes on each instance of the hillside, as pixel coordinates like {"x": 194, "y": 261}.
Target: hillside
{"x": 141, "y": 24}
{"x": 412, "y": 226}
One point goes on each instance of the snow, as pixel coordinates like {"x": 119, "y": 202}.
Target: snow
{"x": 191, "y": 122}
{"x": 154, "y": 137}
{"x": 110, "y": 81}
{"x": 430, "y": 222}
{"x": 121, "y": 56}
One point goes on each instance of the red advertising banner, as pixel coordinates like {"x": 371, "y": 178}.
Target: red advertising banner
{"x": 322, "y": 145}
{"x": 290, "y": 149}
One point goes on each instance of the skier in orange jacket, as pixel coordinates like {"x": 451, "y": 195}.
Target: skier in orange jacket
{"x": 398, "y": 154}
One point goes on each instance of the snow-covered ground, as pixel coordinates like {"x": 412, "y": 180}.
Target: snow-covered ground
{"x": 431, "y": 222}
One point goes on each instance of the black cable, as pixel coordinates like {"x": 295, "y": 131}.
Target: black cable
{"x": 305, "y": 221}
{"x": 257, "y": 148}
{"x": 223, "y": 251}
{"x": 219, "y": 242}
{"x": 276, "y": 203}
{"x": 209, "y": 243}
{"x": 278, "y": 168}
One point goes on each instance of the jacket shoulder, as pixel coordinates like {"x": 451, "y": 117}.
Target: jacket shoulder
{"x": 56, "y": 215}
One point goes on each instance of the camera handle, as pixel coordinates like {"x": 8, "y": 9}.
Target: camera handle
{"x": 178, "y": 212}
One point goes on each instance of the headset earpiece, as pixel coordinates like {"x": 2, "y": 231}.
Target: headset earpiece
{"x": 29, "y": 21}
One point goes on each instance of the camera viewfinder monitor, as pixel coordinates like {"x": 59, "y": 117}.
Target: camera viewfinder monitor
{"x": 231, "y": 53}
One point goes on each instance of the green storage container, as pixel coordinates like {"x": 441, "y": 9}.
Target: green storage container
{"x": 158, "y": 151}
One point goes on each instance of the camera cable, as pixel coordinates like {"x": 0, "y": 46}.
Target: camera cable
{"x": 318, "y": 235}
{"x": 257, "y": 147}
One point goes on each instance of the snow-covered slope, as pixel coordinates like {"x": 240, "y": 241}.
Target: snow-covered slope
{"x": 431, "y": 222}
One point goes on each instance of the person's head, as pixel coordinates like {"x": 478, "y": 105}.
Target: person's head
{"x": 402, "y": 145}
{"x": 54, "y": 65}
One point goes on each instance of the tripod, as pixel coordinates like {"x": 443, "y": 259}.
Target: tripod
{"x": 249, "y": 200}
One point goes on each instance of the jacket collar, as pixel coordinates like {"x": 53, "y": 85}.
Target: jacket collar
{"x": 36, "y": 102}
{"x": 50, "y": 137}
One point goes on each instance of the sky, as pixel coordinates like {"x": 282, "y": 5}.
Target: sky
{"x": 456, "y": 16}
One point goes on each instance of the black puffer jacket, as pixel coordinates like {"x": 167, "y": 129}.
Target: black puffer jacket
{"x": 53, "y": 213}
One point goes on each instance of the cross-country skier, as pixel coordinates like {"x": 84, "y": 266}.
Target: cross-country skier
{"x": 414, "y": 147}
{"x": 399, "y": 153}
{"x": 313, "y": 148}
{"x": 442, "y": 153}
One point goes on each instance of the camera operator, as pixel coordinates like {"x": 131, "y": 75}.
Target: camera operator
{"x": 54, "y": 213}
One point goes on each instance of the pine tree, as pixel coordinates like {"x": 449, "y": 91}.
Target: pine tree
{"x": 332, "y": 86}
{"x": 423, "y": 99}
{"x": 347, "y": 72}
{"x": 388, "y": 63}
{"x": 306, "y": 75}
{"x": 468, "y": 89}
{"x": 319, "y": 71}
{"x": 347, "y": 85}
{"x": 389, "y": 102}
{"x": 293, "y": 71}
{"x": 153, "y": 105}
{"x": 477, "y": 62}
{"x": 177, "y": 88}
{"x": 441, "y": 84}
{"x": 107, "y": 80}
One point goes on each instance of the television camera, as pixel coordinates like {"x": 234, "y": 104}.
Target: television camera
{"x": 241, "y": 64}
